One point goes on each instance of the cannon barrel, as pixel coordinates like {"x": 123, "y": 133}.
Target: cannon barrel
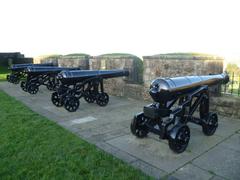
{"x": 85, "y": 74}
{"x": 22, "y": 66}
{"x": 165, "y": 89}
{"x": 44, "y": 69}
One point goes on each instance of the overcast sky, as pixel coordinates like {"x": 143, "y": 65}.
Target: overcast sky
{"x": 141, "y": 27}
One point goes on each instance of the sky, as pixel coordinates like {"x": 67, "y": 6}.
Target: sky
{"x": 140, "y": 27}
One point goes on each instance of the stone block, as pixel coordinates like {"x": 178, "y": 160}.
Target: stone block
{"x": 221, "y": 161}
{"x": 149, "y": 169}
{"x": 152, "y": 152}
{"x": 81, "y": 61}
{"x": 190, "y": 172}
{"x": 233, "y": 142}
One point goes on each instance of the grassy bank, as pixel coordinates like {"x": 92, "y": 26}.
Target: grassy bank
{"x": 33, "y": 147}
{"x": 3, "y": 73}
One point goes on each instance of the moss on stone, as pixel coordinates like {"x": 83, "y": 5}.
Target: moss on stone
{"x": 77, "y": 54}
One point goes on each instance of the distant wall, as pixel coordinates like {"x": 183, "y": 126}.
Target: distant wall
{"x": 50, "y": 59}
{"x": 226, "y": 105}
{"x": 81, "y": 61}
{"x": 175, "y": 65}
{"x": 122, "y": 86}
{"x": 129, "y": 62}
{"x": 7, "y": 59}
{"x": 23, "y": 61}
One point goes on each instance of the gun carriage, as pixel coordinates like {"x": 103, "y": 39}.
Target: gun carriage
{"x": 17, "y": 71}
{"x": 175, "y": 101}
{"x": 87, "y": 84}
{"x": 37, "y": 76}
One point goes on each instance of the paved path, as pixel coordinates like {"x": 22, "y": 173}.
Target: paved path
{"x": 216, "y": 157}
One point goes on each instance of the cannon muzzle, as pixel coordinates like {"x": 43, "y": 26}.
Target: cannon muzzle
{"x": 166, "y": 89}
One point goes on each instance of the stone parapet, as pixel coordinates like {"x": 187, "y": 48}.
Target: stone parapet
{"x": 172, "y": 67}
{"x": 81, "y": 61}
{"x": 48, "y": 59}
{"x": 129, "y": 62}
{"x": 226, "y": 105}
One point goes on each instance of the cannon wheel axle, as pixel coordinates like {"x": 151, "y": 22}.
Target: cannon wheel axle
{"x": 179, "y": 138}
{"x": 32, "y": 89}
{"x": 137, "y": 126}
{"x": 71, "y": 103}
{"x": 102, "y": 99}
{"x": 56, "y": 100}
{"x": 210, "y": 125}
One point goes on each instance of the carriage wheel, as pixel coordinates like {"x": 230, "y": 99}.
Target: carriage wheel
{"x": 15, "y": 80}
{"x": 209, "y": 127}
{"x": 23, "y": 86}
{"x": 56, "y": 100}
{"x": 179, "y": 138}
{"x": 32, "y": 89}
{"x": 102, "y": 99}
{"x": 71, "y": 103}
{"x": 50, "y": 86}
{"x": 138, "y": 128}
{"x": 89, "y": 97}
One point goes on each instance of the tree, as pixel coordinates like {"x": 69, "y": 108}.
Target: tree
{"x": 233, "y": 68}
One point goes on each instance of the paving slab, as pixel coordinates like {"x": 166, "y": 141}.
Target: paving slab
{"x": 153, "y": 152}
{"x": 215, "y": 177}
{"x": 232, "y": 142}
{"x": 200, "y": 143}
{"x": 149, "y": 169}
{"x": 190, "y": 172}
{"x": 227, "y": 126}
{"x": 221, "y": 161}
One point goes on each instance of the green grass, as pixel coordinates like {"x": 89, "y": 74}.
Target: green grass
{"x": 3, "y": 73}
{"x": 33, "y": 147}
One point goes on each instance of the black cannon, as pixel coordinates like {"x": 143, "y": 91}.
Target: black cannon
{"x": 17, "y": 71}
{"x": 175, "y": 101}
{"x": 37, "y": 76}
{"x": 87, "y": 84}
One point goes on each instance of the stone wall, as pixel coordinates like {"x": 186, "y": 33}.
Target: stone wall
{"x": 53, "y": 60}
{"x": 7, "y": 59}
{"x": 172, "y": 66}
{"x": 129, "y": 62}
{"x": 175, "y": 65}
{"x": 48, "y": 59}
{"x": 226, "y": 105}
{"x": 74, "y": 60}
{"x": 122, "y": 86}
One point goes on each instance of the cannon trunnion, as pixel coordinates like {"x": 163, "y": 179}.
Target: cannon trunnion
{"x": 175, "y": 102}
{"x": 85, "y": 83}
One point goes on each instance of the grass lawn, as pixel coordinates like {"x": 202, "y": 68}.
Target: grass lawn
{"x": 33, "y": 147}
{"x": 3, "y": 73}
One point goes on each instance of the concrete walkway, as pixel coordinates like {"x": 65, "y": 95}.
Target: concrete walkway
{"x": 216, "y": 157}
